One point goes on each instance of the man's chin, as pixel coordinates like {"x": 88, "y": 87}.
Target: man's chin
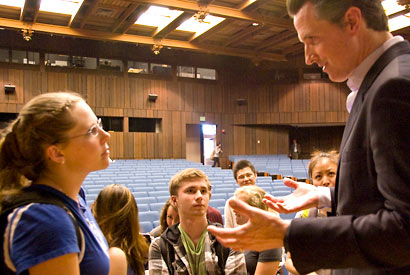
{"x": 337, "y": 77}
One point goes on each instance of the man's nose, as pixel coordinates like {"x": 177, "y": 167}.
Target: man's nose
{"x": 309, "y": 56}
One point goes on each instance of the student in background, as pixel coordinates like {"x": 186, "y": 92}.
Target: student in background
{"x": 322, "y": 172}
{"x": 169, "y": 216}
{"x": 54, "y": 143}
{"x": 116, "y": 212}
{"x": 267, "y": 261}
{"x": 245, "y": 174}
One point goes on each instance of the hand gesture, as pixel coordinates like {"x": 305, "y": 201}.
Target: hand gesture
{"x": 264, "y": 230}
{"x": 305, "y": 196}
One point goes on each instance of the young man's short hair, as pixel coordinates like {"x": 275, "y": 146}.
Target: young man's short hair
{"x": 186, "y": 175}
{"x": 241, "y": 164}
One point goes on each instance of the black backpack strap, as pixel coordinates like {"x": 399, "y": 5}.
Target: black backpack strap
{"x": 168, "y": 254}
{"x": 223, "y": 254}
{"x": 221, "y": 251}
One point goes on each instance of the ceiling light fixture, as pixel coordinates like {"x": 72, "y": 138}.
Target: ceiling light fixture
{"x": 27, "y": 34}
{"x": 156, "y": 48}
{"x": 203, "y": 11}
{"x": 405, "y": 3}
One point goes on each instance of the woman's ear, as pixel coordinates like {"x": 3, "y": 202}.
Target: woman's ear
{"x": 54, "y": 154}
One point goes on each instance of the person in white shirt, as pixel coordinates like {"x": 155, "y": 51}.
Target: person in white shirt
{"x": 245, "y": 174}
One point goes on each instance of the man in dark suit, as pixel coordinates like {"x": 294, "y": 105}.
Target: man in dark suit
{"x": 294, "y": 150}
{"x": 370, "y": 230}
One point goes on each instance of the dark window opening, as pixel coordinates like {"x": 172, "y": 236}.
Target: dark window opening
{"x": 6, "y": 118}
{"x": 115, "y": 124}
{"x": 146, "y": 125}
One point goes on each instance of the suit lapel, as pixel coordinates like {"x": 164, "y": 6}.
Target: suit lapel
{"x": 394, "y": 51}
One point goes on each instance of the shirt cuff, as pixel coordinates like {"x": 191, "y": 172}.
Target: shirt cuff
{"x": 325, "y": 199}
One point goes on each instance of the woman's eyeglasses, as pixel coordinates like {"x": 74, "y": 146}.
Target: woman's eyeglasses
{"x": 93, "y": 131}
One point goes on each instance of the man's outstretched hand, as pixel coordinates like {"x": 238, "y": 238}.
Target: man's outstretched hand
{"x": 264, "y": 230}
{"x": 303, "y": 197}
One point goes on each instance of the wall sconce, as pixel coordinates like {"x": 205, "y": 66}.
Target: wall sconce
{"x": 27, "y": 34}
{"x": 9, "y": 89}
{"x": 152, "y": 97}
{"x": 241, "y": 101}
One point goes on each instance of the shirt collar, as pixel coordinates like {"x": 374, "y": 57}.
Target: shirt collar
{"x": 358, "y": 74}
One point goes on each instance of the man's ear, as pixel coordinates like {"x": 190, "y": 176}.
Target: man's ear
{"x": 54, "y": 153}
{"x": 353, "y": 18}
{"x": 174, "y": 201}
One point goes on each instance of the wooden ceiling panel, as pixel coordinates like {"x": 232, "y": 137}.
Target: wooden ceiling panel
{"x": 272, "y": 39}
{"x": 99, "y": 23}
{"x": 180, "y": 35}
{"x": 227, "y": 3}
{"x": 10, "y": 12}
{"x": 53, "y": 19}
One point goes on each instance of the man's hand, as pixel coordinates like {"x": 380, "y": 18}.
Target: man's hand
{"x": 264, "y": 230}
{"x": 305, "y": 196}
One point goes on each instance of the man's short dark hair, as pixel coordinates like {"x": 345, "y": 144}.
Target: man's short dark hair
{"x": 334, "y": 10}
{"x": 241, "y": 164}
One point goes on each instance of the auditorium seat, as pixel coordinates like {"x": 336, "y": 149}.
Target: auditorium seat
{"x": 217, "y": 202}
{"x": 162, "y": 199}
{"x": 219, "y": 196}
{"x": 146, "y": 200}
{"x": 146, "y": 226}
{"x": 156, "y": 206}
{"x": 142, "y": 207}
{"x": 148, "y": 216}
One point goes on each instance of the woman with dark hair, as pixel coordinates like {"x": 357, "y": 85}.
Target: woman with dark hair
{"x": 322, "y": 172}
{"x": 48, "y": 151}
{"x": 116, "y": 212}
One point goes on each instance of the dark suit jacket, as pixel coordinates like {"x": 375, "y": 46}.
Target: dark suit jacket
{"x": 292, "y": 148}
{"x": 371, "y": 230}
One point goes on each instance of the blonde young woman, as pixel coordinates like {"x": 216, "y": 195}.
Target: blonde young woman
{"x": 51, "y": 147}
{"x": 116, "y": 212}
{"x": 267, "y": 261}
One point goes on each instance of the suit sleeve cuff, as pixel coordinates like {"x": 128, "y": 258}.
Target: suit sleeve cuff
{"x": 286, "y": 239}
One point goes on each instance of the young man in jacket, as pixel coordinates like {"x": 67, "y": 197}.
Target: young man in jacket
{"x": 187, "y": 247}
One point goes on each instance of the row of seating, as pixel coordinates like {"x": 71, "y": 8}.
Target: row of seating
{"x": 276, "y": 164}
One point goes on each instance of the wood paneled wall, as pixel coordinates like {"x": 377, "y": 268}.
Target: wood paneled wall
{"x": 270, "y": 107}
